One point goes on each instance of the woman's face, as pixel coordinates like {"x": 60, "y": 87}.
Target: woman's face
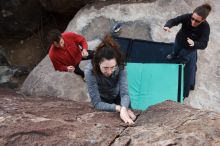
{"x": 196, "y": 20}
{"x": 107, "y": 67}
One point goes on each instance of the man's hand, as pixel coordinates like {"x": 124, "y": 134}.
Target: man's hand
{"x": 84, "y": 53}
{"x": 70, "y": 68}
{"x": 190, "y": 42}
{"x": 125, "y": 117}
{"x": 167, "y": 29}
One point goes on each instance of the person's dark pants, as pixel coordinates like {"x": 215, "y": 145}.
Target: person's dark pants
{"x": 190, "y": 57}
{"x": 77, "y": 70}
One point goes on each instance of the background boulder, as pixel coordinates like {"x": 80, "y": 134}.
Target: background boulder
{"x": 45, "y": 81}
{"x": 145, "y": 21}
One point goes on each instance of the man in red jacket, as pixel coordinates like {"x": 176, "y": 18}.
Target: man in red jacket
{"x": 65, "y": 52}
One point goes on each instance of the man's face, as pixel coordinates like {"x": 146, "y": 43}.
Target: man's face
{"x": 196, "y": 20}
{"x": 107, "y": 67}
{"x": 59, "y": 44}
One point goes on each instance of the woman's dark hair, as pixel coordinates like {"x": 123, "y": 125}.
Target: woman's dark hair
{"x": 54, "y": 36}
{"x": 203, "y": 10}
{"x": 107, "y": 49}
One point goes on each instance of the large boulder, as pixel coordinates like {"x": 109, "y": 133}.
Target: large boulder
{"x": 168, "y": 124}
{"x": 145, "y": 21}
{"x": 28, "y": 121}
{"x": 45, "y": 81}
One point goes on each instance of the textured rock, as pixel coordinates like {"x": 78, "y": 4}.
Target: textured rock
{"x": 145, "y": 21}
{"x": 45, "y": 81}
{"x": 31, "y": 121}
{"x": 48, "y": 121}
{"x": 169, "y": 124}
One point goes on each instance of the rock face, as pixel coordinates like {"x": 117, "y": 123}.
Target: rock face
{"x": 145, "y": 21}
{"x": 45, "y": 81}
{"x": 50, "y": 121}
{"x": 169, "y": 124}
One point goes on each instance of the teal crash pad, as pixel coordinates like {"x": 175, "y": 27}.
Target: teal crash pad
{"x": 152, "y": 83}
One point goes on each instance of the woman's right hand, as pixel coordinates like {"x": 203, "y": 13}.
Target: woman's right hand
{"x": 125, "y": 116}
